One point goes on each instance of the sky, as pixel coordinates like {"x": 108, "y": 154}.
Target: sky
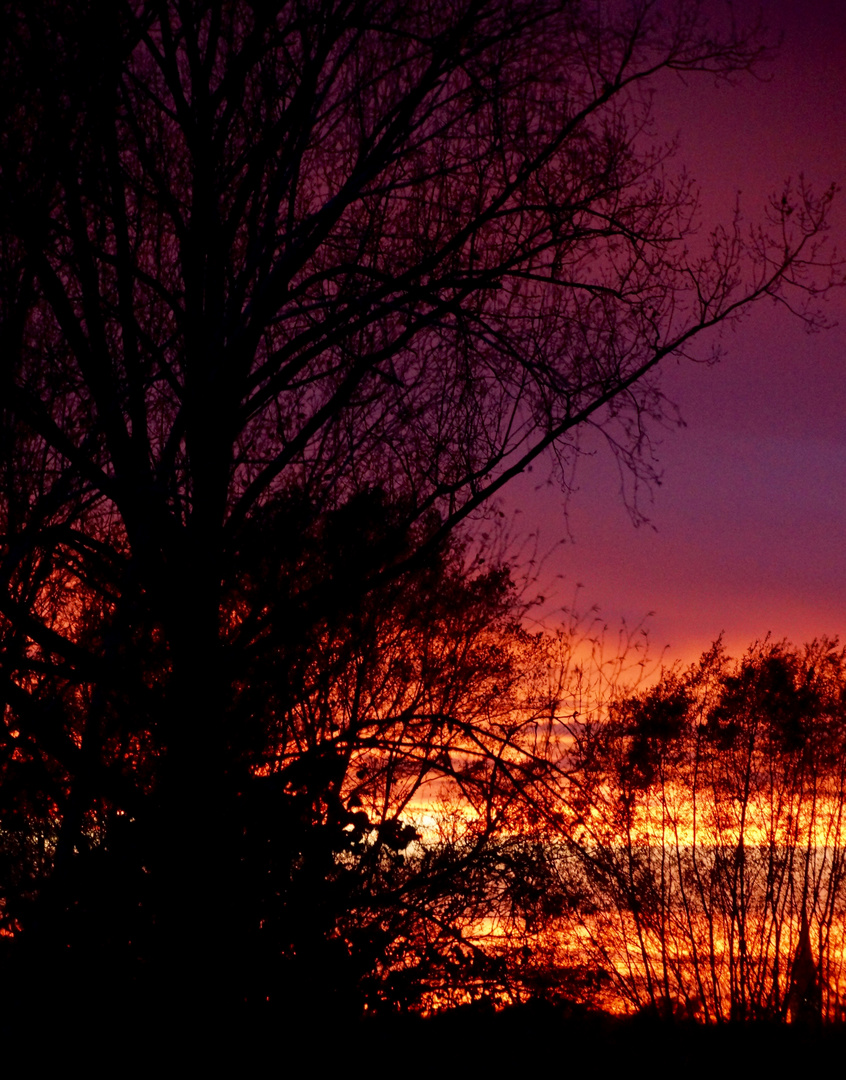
{"x": 747, "y": 530}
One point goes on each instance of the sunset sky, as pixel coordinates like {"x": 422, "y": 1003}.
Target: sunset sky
{"x": 747, "y": 529}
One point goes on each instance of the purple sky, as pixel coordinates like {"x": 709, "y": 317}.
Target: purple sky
{"x": 748, "y": 529}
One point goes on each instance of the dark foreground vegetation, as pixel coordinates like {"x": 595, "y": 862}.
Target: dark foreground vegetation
{"x": 528, "y": 1038}
{"x": 288, "y": 292}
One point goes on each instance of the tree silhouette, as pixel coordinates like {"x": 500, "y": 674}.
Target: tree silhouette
{"x": 708, "y": 854}
{"x": 289, "y": 292}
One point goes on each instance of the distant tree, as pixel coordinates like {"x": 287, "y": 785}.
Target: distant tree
{"x": 288, "y": 292}
{"x": 708, "y": 848}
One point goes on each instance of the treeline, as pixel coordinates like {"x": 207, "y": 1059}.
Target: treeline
{"x": 680, "y": 850}
{"x": 700, "y": 862}
{"x": 439, "y": 806}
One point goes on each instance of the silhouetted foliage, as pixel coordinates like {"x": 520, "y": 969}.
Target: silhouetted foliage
{"x": 708, "y": 837}
{"x": 288, "y": 292}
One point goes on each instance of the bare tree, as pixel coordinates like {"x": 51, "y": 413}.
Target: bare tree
{"x": 711, "y": 857}
{"x": 260, "y": 261}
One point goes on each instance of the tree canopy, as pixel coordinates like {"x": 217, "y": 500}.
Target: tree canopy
{"x": 705, "y": 837}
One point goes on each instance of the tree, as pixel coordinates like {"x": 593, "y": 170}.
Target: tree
{"x": 301, "y": 286}
{"x": 388, "y": 753}
{"x": 711, "y": 838}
